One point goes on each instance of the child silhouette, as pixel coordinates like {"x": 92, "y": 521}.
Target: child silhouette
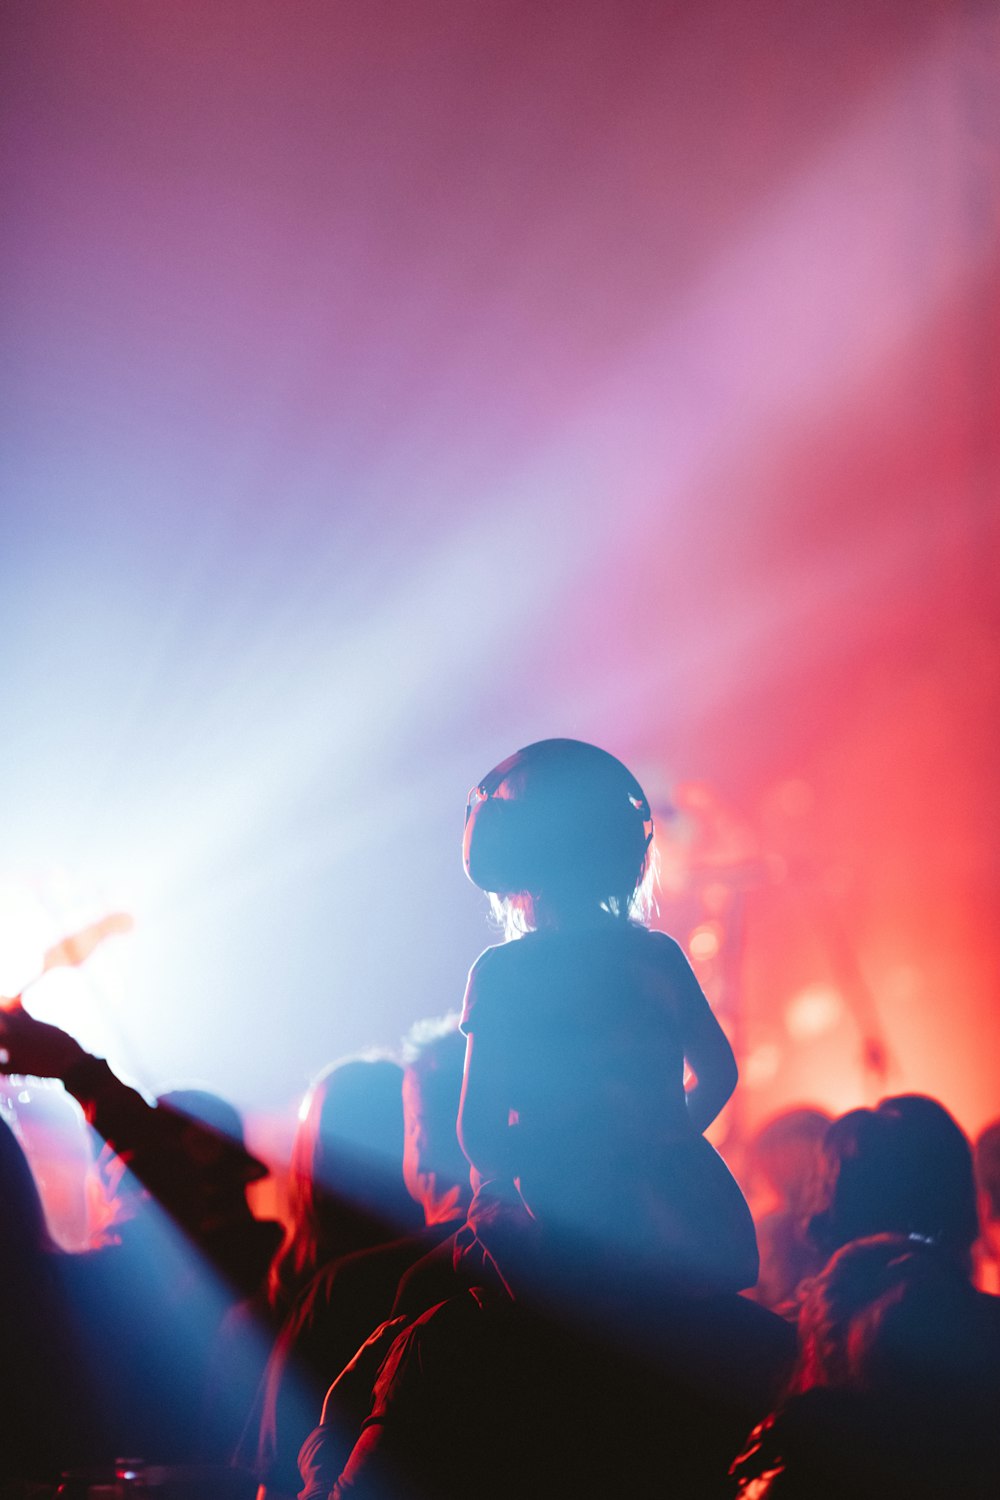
{"x": 586, "y": 1148}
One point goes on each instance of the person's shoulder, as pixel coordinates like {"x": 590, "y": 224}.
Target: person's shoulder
{"x": 489, "y": 958}
{"x": 339, "y": 1277}
{"x": 485, "y": 977}
{"x": 807, "y": 1447}
{"x": 415, "y": 1337}
{"x": 487, "y": 966}
{"x": 660, "y": 945}
{"x": 449, "y": 1328}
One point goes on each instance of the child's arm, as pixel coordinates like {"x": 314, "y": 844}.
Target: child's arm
{"x": 706, "y": 1047}
{"x": 484, "y": 1112}
{"x": 484, "y": 1109}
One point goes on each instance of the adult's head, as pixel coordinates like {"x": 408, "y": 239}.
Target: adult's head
{"x": 210, "y": 1139}
{"x": 937, "y": 1170}
{"x": 891, "y": 1315}
{"x": 896, "y": 1384}
{"x": 561, "y": 827}
{"x": 216, "y": 1126}
{"x": 345, "y": 1176}
{"x": 435, "y": 1170}
{"x": 903, "y": 1168}
{"x": 781, "y": 1170}
{"x": 784, "y": 1153}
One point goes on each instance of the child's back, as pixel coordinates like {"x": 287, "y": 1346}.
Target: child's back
{"x": 579, "y": 1031}
{"x": 586, "y": 1030}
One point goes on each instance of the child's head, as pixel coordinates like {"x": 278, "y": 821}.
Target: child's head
{"x": 561, "y": 829}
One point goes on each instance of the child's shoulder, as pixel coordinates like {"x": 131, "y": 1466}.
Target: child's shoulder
{"x": 534, "y": 947}
{"x": 661, "y": 943}
{"x": 510, "y": 962}
{"x": 489, "y": 981}
{"x": 489, "y": 958}
{"x": 512, "y": 949}
{"x": 488, "y": 968}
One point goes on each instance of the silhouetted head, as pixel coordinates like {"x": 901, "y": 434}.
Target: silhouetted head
{"x": 937, "y": 1170}
{"x": 560, "y": 827}
{"x": 904, "y": 1168}
{"x": 208, "y": 1132}
{"x": 434, "y": 1166}
{"x": 854, "y": 1182}
{"x": 785, "y": 1152}
{"x": 889, "y": 1315}
{"x": 203, "y": 1107}
{"x": 349, "y": 1144}
{"x": 213, "y": 1133}
{"x": 345, "y": 1177}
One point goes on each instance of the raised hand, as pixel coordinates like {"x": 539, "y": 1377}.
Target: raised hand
{"x": 36, "y": 1047}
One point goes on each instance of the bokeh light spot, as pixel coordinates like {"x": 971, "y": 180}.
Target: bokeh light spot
{"x": 705, "y": 941}
{"x": 813, "y": 1011}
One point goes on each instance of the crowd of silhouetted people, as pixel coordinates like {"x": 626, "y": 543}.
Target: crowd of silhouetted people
{"x": 375, "y": 1341}
{"x": 511, "y": 1264}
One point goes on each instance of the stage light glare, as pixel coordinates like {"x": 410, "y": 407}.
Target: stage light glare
{"x": 25, "y": 932}
{"x": 66, "y": 944}
{"x": 813, "y": 1011}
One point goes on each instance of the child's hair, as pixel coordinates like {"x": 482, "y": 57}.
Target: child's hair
{"x": 560, "y": 827}
{"x": 520, "y": 913}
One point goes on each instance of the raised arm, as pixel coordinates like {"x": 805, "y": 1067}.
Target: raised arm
{"x": 119, "y": 1113}
{"x": 153, "y": 1141}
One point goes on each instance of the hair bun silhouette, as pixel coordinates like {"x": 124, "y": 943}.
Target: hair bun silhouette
{"x": 558, "y": 814}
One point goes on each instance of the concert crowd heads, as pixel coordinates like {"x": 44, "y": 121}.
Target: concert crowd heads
{"x": 512, "y": 1262}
